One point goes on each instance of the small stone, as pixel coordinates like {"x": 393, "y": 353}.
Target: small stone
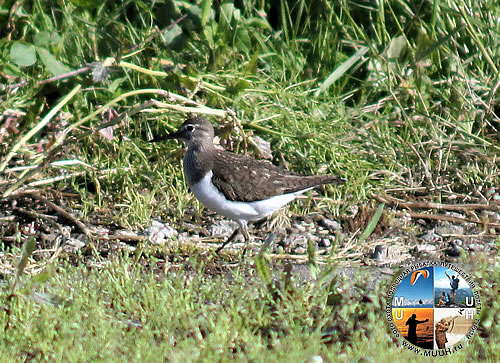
{"x": 380, "y": 252}
{"x": 453, "y": 249}
{"x": 297, "y": 239}
{"x": 431, "y": 237}
{"x": 449, "y": 228}
{"x": 324, "y": 242}
{"x": 222, "y": 227}
{"x": 299, "y": 227}
{"x": 313, "y": 238}
{"x": 159, "y": 232}
{"x": 73, "y": 244}
{"x": 330, "y": 225}
{"x": 299, "y": 250}
{"x": 425, "y": 247}
{"x": 316, "y": 359}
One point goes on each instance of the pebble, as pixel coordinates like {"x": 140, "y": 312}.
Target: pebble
{"x": 324, "y": 242}
{"x": 222, "y": 227}
{"x": 380, "y": 252}
{"x": 453, "y": 249}
{"x": 431, "y": 237}
{"x": 299, "y": 250}
{"x": 330, "y": 225}
{"x": 160, "y": 232}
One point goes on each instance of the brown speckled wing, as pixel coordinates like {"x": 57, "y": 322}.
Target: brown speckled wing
{"x": 241, "y": 178}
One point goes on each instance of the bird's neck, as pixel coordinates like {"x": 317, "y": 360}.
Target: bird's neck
{"x": 198, "y": 161}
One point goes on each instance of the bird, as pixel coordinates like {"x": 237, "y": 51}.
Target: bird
{"x": 237, "y": 186}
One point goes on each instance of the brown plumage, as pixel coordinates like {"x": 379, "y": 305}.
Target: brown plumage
{"x": 240, "y": 177}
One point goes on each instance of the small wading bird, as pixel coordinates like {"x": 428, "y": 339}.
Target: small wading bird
{"x": 237, "y": 186}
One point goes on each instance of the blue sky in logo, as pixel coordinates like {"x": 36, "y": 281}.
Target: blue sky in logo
{"x": 442, "y": 281}
{"x": 422, "y": 289}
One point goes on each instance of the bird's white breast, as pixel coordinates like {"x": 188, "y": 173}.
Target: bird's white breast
{"x": 207, "y": 193}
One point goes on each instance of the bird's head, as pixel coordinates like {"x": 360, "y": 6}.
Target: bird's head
{"x": 194, "y": 130}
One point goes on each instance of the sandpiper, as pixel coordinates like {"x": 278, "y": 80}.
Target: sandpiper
{"x": 237, "y": 186}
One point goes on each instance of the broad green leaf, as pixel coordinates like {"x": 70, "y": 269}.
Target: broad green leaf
{"x": 238, "y": 87}
{"x": 206, "y": 7}
{"x": 263, "y": 268}
{"x": 237, "y": 14}
{"x": 210, "y": 31}
{"x": 43, "y": 276}
{"x": 334, "y": 297}
{"x": 243, "y": 41}
{"x": 116, "y": 83}
{"x": 172, "y": 35}
{"x": 252, "y": 65}
{"x": 23, "y": 54}
{"x": 46, "y": 39}
{"x": 226, "y": 15}
{"x": 53, "y": 65}
{"x": 396, "y": 48}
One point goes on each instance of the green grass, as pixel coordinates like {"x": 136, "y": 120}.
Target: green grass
{"x": 416, "y": 114}
{"x": 150, "y": 308}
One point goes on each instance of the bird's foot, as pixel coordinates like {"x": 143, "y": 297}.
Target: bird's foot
{"x": 226, "y": 242}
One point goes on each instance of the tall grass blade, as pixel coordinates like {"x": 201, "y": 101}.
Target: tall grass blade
{"x": 341, "y": 70}
{"x": 373, "y": 223}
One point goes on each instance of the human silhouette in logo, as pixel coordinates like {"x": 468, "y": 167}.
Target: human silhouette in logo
{"x": 412, "y": 328}
{"x": 453, "y": 284}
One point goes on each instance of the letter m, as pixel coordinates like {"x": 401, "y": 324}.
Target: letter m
{"x": 399, "y": 301}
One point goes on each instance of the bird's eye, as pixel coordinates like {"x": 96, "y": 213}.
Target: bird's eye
{"x": 190, "y": 128}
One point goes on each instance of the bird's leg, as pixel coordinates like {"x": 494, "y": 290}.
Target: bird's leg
{"x": 231, "y": 237}
{"x": 244, "y": 231}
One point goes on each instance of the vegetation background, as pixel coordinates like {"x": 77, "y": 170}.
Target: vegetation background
{"x": 396, "y": 96}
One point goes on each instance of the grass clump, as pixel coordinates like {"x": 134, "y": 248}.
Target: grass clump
{"x": 152, "y": 309}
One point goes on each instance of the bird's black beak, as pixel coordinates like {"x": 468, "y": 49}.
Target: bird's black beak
{"x": 173, "y": 135}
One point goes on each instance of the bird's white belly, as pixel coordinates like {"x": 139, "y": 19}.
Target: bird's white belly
{"x": 206, "y": 192}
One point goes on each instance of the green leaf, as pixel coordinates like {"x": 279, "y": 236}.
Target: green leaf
{"x": 226, "y": 15}
{"x": 252, "y": 65}
{"x": 243, "y": 41}
{"x": 116, "y": 83}
{"x": 22, "y": 54}
{"x": 334, "y": 297}
{"x": 262, "y": 268}
{"x": 210, "y": 31}
{"x": 206, "y": 7}
{"x": 313, "y": 265}
{"x": 53, "y": 65}
{"x": 46, "y": 39}
{"x": 396, "y": 48}
{"x": 341, "y": 70}
{"x": 172, "y": 35}
{"x": 258, "y": 23}
{"x": 28, "y": 248}
{"x": 261, "y": 263}
{"x": 238, "y": 87}
{"x": 373, "y": 223}
{"x": 43, "y": 276}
